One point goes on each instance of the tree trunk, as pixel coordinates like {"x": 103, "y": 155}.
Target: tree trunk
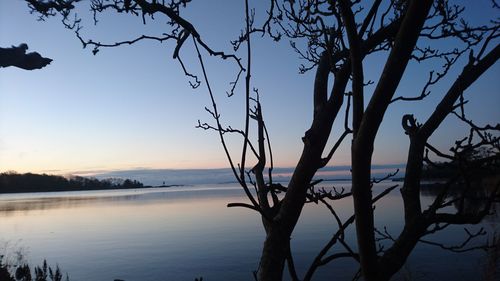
{"x": 276, "y": 245}
{"x": 274, "y": 254}
{"x": 395, "y": 257}
{"x": 362, "y": 197}
{"x": 362, "y": 147}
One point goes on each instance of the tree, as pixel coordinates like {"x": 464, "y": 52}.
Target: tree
{"x": 339, "y": 38}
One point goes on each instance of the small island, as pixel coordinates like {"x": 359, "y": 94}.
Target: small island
{"x": 12, "y": 182}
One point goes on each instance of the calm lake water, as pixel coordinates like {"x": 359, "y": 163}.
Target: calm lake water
{"x": 187, "y": 232}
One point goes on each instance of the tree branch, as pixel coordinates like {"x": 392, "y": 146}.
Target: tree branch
{"x": 17, "y": 57}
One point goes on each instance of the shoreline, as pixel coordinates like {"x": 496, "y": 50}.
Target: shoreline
{"x": 36, "y": 190}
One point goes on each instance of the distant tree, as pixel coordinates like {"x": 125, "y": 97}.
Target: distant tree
{"x": 338, "y": 37}
{"x": 29, "y": 182}
{"x": 131, "y": 184}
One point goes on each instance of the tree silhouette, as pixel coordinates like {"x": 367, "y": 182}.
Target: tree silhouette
{"x": 338, "y": 37}
{"x": 12, "y": 182}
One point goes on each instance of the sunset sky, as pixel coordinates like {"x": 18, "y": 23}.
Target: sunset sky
{"x": 131, "y": 107}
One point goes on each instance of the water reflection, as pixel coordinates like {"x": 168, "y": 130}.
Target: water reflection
{"x": 161, "y": 234}
{"x": 186, "y": 232}
{"x": 9, "y": 207}
{"x": 470, "y": 200}
{"x": 10, "y": 203}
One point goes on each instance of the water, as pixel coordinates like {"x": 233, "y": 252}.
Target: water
{"x": 183, "y": 233}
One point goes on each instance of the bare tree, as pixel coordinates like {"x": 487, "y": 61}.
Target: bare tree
{"x": 339, "y": 36}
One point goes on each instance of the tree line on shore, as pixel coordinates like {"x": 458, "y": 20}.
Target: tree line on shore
{"x": 12, "y": 182}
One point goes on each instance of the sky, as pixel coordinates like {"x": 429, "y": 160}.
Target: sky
{"x": 131, "y": 107}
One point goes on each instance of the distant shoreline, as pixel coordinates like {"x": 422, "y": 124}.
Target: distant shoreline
{"x": 88, "y": 189}
{"x": 12, "y": 182}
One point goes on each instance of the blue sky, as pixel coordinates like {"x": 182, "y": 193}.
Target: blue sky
{"x": 131, "y": 107}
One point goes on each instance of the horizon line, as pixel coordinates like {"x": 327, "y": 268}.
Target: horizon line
{"x": 91, "y": 172}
